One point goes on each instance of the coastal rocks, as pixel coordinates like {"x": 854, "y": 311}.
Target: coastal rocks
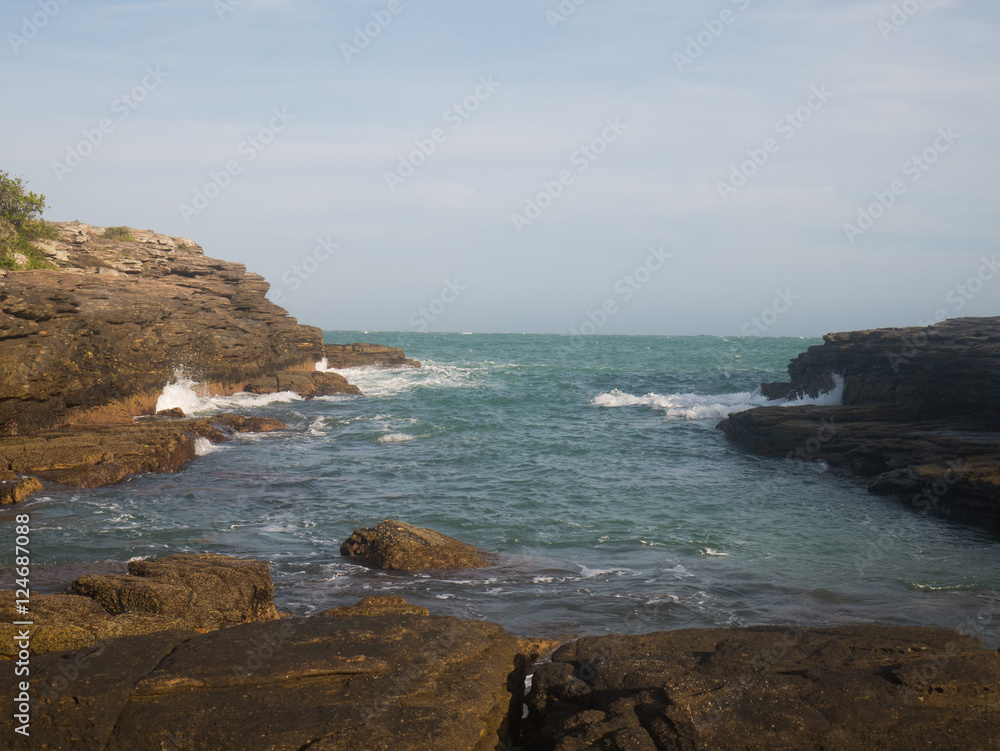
{"x": 378, "y": 605}
{"x": 757, "y": 689}
{"x": 192, "y": 592}
{"x": 92, "y": 456}
{"x": 398, "y": 546}
{"x": 391, "y": 683}
{"x": 921, "y": 414}
{"x": 307, "y": 385}
{"x": 363, "y": 355}
{"x": 15, "y": 491}
{"x": 79, "y": 345}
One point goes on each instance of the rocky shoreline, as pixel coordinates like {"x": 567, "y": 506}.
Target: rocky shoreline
{"x": 189, "y": 652}
{"x": 920, "y": 418}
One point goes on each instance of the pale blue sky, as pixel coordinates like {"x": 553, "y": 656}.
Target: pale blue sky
{"x": 440, "y": 249}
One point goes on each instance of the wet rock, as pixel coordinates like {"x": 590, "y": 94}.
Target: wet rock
{"x": 378, "y": 605}
{"x": 95, "y": 455}
{"x": 398, "y": 546}
{"x": 306, "y": 384}
{"x": 172, "y": 412}
{"x": 363, "y": 355}
{"x": 392, "y": 683}
{"x": 758, "y": 689}
{"x": 15, "y": 491}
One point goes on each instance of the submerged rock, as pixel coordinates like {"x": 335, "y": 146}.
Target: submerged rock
{"x": 850, "y": 688}
{"x": 398, "y": 546}
{"x": 392, "y": 683}
{"x": 378, "y": 605}
{"x": 361, "y": 355}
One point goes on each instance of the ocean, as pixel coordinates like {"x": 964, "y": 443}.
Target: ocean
{"x": 591, "y": 464}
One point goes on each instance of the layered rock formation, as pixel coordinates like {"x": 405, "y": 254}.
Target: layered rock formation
{"x": 363, "y": 355}
{"x": 921, "y": 414}
{"x": 398, "y": 546}
{"x": 849, "y": 688}
{"x": 99, "y": 336}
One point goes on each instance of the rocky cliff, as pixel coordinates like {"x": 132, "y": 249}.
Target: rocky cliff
{"x": 98, "y": 336}
{"x": 920, "y": 419}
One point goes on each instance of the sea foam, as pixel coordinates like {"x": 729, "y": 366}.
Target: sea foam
{"x": 183, "y": 392}
{"x": 711, "y": 406}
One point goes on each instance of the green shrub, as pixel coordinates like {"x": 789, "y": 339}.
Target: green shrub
{"x": 120, "y": 234}
{"x": 20, "y": 224}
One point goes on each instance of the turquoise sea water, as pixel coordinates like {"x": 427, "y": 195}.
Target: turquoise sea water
{"x": 591, "y": 464}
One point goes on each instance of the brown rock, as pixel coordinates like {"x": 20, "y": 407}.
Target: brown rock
{"x": 378, "y": 605}
{"x": 398, "y": 546}
{"x": 15, "y": 491}
{"x": 172, "y": 412}
{"x": 305, "y": 384}
{"x": 851, "y": 688}
{"x": 361, "y": 355}
{"x": 206, "y": 591}
{"x": 392, "y": 683}
{"x": 76, "y": 345}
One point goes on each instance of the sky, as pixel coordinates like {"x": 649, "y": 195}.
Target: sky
{"x": 722, "y": 167}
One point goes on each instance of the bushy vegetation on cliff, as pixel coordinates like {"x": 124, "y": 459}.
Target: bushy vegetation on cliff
{"x": 21, "y": 224}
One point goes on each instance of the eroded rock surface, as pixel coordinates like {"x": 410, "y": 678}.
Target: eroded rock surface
{"x": 850, "y": 688}
{"x": 398, "y": 546}
{"x": 388, "y": 683}
{"x": 98, "y": 337}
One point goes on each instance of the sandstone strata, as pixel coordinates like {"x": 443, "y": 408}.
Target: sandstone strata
{"x": 921, "y": 414}
{"x": 398, "y": 546}
{"x": 102, "y": 333}
{"x": 758, "y": 689}
{"x": 361, "y": 355}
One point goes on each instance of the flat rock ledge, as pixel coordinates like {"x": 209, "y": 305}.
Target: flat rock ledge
{"x": 185, "y": 591}
{"x": 364, "y": 355}
{"x": 397, "y": 546}
{"x": 386, "y": 683}
{"x": 854, "y": 688}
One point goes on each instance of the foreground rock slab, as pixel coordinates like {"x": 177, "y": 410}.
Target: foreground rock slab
{"x": 387, "y": 683}
{"x": 759, "y": 689}
{"x": 187, "y": 591}
{"x": 397, "y": 546}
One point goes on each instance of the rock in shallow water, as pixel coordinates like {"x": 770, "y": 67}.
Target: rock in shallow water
{"x": 398, "y": 546}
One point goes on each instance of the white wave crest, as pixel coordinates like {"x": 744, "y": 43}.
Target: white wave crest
{"x": 395, "y": 438}
{"x": 193, "y": 398}
{"x": 203, "y": 446}
{"x": 381, "y": 382}
{"x": 712, "y": 406}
